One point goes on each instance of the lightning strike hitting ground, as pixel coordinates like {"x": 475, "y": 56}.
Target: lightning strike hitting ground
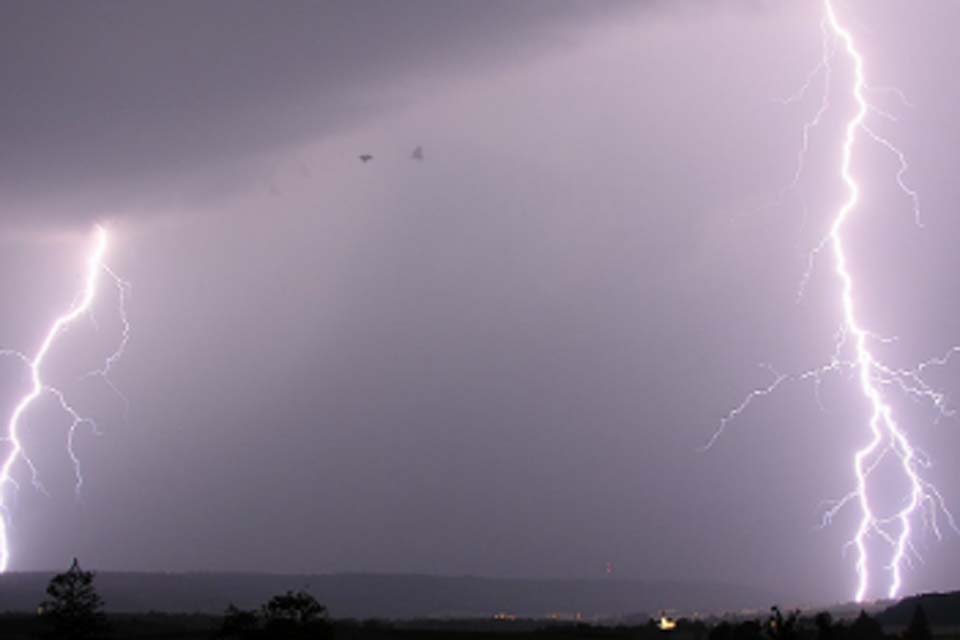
{"x": 16, "y": 453}
{"x": 887, "y": 439}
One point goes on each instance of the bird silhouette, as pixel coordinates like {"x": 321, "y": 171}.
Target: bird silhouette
{"x": 365, "y": 157}
{"x": 417, "y": 154}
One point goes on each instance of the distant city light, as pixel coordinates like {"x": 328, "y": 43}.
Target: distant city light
{"x": 666, "y": 624}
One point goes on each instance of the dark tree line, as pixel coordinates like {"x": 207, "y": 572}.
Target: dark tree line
{"x": 789, "y": 627}
{"x": 73, "y": 610}
{"x": 290, "y": 615}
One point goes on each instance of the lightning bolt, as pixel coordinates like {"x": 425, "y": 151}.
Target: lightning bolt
{"x": 81, "y": 306}
{"x": 887, "y": 439}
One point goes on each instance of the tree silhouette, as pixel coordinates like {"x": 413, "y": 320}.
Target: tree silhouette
{"x": 824, "y": 623}
{"x": 295, "y": 614}
{"x": 865, "y": 628}
{"x": 919, "y": 628}
{"x": 239, "y": 623}
{"x": 74, "y": 607}
{"x": 780, "y": 627}
{"x": 289, "y": 615}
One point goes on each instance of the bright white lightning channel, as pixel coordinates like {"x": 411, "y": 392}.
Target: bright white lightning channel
{"x": 16, "y": 453}
{"x": 887, "y": 438}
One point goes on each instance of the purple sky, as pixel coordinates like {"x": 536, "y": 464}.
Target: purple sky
{"x": 502, "y": 360}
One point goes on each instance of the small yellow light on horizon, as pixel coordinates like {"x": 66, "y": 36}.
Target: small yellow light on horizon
{"x": 666, "y": 624}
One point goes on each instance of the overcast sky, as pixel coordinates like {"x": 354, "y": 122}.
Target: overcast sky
{"x": 502, "y": 360}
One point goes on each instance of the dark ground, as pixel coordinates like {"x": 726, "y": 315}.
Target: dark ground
{"x": 186, "y": 627}
{"x": 942, "y": 611}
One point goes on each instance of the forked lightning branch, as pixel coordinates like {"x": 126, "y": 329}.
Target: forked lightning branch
{"x": 16, "y": 458}
{"x": 855, "y": 352}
